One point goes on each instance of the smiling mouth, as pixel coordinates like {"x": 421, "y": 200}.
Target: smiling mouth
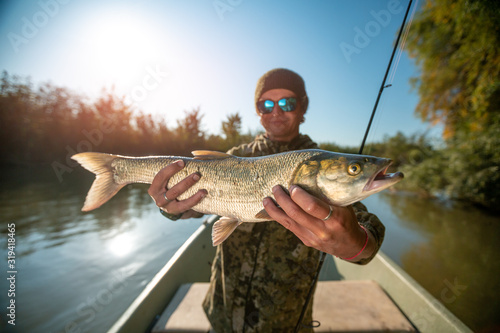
{"x": 278, "y": 121}
{"x": 382, "y": 180}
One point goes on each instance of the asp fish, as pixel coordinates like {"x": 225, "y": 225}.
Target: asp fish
{"x": 236, "y": 186}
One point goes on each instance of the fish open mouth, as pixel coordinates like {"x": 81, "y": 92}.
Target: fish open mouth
{"x": 382, "y": 179}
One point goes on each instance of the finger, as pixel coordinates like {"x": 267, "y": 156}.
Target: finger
{"x": 278, "y": 215}
{"x": 292, "y": 214}
{"x": 191, "y": 214}
{"x": 182, "y": 186}
{"x": 160, "y": 180}
{"x": 177, "y": 207}
{"x": 333, "y": 217}
{"x": 293, "y": 209}
{"x": 310, "y": 204}
{"x": 287, "y": 204}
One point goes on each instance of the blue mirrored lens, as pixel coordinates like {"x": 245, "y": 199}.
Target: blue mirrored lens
{"x": 265, "y": 106}
{"x": 285, "y": 104}
{"x": 269, "y": 104}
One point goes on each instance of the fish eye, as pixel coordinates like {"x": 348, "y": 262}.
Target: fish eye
{"x": 354, "y": 169}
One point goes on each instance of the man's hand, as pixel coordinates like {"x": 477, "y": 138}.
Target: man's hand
{"x": 304, "y": 215}
{"x": 166, "y": 199}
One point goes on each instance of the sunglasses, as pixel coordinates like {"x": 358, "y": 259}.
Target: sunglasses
{"x": 285, "y": 104}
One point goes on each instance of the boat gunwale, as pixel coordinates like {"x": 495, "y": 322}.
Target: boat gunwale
{"x": 149, "y": 305}
{"x": 406, "y": 292}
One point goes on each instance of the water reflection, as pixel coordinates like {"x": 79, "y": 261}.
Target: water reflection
{"x": 459, "y": 260}
{"x": 49, "y": 211}
{"x": 121, "y": 245}
{"x": 79, "y": 271}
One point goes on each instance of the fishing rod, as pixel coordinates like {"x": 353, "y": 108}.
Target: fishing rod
{"x": 323, "y": 254}
{"x": 383, "y": 85}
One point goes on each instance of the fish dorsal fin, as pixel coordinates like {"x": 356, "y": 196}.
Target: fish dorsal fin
{"x": 209, "y": 155}
{"x": 223, "y": 228}
{"x": 263, "y": 215}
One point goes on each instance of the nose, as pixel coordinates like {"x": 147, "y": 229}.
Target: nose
{"x": 276, "y": 109}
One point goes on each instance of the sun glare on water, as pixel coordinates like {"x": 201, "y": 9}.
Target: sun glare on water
{"x": 121, "y": 245}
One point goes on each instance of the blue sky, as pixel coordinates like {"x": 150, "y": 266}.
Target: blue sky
{"x": 171, "y": 56}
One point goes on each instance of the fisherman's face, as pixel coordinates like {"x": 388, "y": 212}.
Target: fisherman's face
{"x": 280, "y": 125}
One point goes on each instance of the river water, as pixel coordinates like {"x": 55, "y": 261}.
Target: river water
{"x": 77, "y": 272}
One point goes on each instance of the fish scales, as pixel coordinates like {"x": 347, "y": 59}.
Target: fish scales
{"x": 236, "y": 186}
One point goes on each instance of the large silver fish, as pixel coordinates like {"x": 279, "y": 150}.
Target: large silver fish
{"x": 237, "y": 186}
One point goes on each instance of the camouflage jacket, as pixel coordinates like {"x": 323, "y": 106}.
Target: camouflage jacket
{"x": 262, "y": 273}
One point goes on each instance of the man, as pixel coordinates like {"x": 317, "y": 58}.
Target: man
{"x": 262, "y": 273}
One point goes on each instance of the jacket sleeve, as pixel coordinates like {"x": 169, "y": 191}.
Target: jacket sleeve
{"x": 248, "y": 150}
{"x": 372, "y": 223}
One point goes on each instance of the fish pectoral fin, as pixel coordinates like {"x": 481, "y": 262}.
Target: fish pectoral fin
{"x": 223, "y": 228}
{"x": 209, "y": 155}
{"x": 263, "y": 215}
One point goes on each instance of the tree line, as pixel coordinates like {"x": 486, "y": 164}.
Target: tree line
{"x": 44, "y": 126}
{"x": 456, "y": 47}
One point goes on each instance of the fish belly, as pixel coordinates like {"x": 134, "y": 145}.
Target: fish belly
{"x": 236, "y": 186}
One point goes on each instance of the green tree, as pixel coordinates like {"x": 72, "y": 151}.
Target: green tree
{"x": 189, "y": 132}
{"x": 16, "y": 105}
{"x": 456, "y": 44}
{"x": 456, "y": 47}
{"x": 467, "y": 168}
{"x": 231, "y": 129}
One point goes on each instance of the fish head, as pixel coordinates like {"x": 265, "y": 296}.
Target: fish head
{"x": 343, "y": 179}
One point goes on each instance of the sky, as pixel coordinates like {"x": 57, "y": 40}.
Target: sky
{"x": 168, "y": 57}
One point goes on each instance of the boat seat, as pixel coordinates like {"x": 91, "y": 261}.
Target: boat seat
{"x": 184, "y": 313}
{"x": 339, "y": 306}
{"x": 357, "y": 306}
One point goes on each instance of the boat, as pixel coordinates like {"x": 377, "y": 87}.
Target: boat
{"x": 378, "y": 297}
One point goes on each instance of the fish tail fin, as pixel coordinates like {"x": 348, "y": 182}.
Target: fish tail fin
{"x": 223, "y": 228}
{"x": 104, "y": 186}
